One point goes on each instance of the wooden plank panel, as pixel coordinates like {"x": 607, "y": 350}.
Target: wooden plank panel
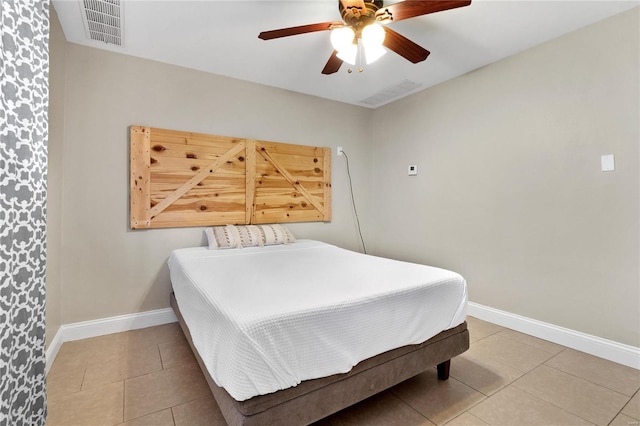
{"x": 217, "y": 190}
{"x": 198, "y": 177}
{"x": 176, "y": 164}
{"x": 170, "y": 219}
{"x": 193, "y": 179}
{"x": 196, "y": 206}
{"x": 140, "y": 191}
{"x": 181, "y": 150}
{"x": 291, "y": 179}
{"x": 288, "y": 149}
{"x": 250, "y": 180}
{"x": 191, "y": 138}
{"x": 283, "y": 202}
{"x": 275, "y": 183}
{"x": 162, "y": 179}
{"x": 281, "y": 216}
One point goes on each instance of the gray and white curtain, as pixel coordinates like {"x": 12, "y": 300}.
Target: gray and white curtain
{"x": 24, "y": 98}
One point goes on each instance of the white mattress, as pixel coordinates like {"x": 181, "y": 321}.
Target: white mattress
{"x": 267, "y": 318}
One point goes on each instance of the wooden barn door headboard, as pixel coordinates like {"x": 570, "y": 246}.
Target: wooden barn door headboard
{"x": 183, "y": 179}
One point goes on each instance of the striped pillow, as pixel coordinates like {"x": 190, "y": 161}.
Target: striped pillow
{"x": 276, "y": 234}
{"x": 221, "y": 237}
{"x": 232, "y": 236}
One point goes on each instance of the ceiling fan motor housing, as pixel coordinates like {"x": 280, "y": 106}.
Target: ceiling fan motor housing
{"x": 357, "y": 18}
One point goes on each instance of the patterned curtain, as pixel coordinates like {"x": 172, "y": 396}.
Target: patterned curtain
{"x": 24, "y": 98}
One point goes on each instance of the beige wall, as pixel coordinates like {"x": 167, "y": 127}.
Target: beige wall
{"x": 57, "y": 48}
{"x": 109, "y": 270}
{"x": 510, "y": 192}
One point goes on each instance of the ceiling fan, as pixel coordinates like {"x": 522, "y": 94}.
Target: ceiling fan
{"x": 363, "y": 26}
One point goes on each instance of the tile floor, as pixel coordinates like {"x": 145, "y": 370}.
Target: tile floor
{"x": 150, "y": 377}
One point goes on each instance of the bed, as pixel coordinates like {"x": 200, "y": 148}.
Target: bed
{"x": 291, "y": 333}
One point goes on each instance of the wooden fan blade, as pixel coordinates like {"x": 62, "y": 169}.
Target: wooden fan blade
{"x": 302, "y": 29}
{"x": 409, "y": 9}
{"x": 333, "y": 64}
{"x": 404, "y": 47}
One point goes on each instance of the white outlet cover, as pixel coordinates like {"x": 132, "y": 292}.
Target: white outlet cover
{"x": 413, "y": 170}
{"x": 607, "y": 163}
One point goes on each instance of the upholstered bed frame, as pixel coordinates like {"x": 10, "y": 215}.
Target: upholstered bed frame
{"x": 315, "y": 399}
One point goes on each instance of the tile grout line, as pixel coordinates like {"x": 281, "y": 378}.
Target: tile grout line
{"x": 409, "y": 405}
{"x": 533, "y": 396}
{"x": 84, "y": 374}
{"x": 576, "y": 377}
{"x": 459, "y": 381}
{"x": 123, "y": 400}
{"x": 160, "y": 355}
{"x": 625, "y": 406}
{"x": 552, "y": 403}
{"x": 589, "y": 381}
{"x": 173, "y": 415}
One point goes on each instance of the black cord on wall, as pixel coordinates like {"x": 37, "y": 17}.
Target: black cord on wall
{"x": 353, "y": 202}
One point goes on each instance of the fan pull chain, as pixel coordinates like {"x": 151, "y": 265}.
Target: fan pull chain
{"x": 359, "y": 60}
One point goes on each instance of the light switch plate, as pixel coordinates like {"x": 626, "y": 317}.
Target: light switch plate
{"x": 413, "y": 170}
{"x": 608, "y": 163}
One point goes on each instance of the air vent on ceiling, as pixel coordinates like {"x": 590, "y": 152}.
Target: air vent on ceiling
{"x": 391, "y": 93}
{"x": 103, "y": 20}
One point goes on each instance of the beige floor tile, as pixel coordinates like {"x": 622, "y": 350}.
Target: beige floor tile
{"x": 176, "y": 353}
{"x": 485, "y": 376}
{"x": 545, "y": 345}
{"x": 617, "y": 377}
{"x": 68, "y": 363}
{"x": 622, "y": 420}
{"x": 514, "y": 354}
{"x": 95, "y": 347}
{"x": 200, "y": 412}
{"x": 160, "y": 418}
{"x": 121, "y": 366}
{"x": 466, "y": 419}
{"x": 62, "y": 384}
{"x": 437, "y": 400}
{"x": 73, "y": 357}
{"x": 380, "y": 410}
{"x": 562, "y": 386}
{"x": 632, "y": 409}
{"x": 512, "y": 406}
{"x": 479, "y": 329}
{"x": 157, "y": 391}
{"x": 153, "y": 336}
{"x": 592, "y": 402}
{"x": 99, "y": 406}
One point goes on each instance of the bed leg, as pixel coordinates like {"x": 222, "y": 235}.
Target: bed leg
{"x": 443, "y": 370}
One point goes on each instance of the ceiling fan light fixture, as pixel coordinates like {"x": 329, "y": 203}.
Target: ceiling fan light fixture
{"x": 373, "y": 35}
{"x": 372, "y": 39}
{"x": 342, "y": 38}
{"x": 349, "y": 54}
{"x": 373, "y": 53}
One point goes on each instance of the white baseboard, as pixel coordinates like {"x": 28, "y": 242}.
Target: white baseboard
{"x": 100, "y": 327}
{"x": 597, "y": 346}
{"x": 603, "y": 348}
{"x": 52, "y": 350}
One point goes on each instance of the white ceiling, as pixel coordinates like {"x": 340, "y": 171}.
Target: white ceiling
{"x": 221, "y": 37}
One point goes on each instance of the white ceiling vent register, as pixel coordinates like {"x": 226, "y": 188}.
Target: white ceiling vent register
{"x": 391, "y": 93}
{"x": 103, "y": 20}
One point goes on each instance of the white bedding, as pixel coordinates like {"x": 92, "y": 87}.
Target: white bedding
{"x": 267, "y": 318}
